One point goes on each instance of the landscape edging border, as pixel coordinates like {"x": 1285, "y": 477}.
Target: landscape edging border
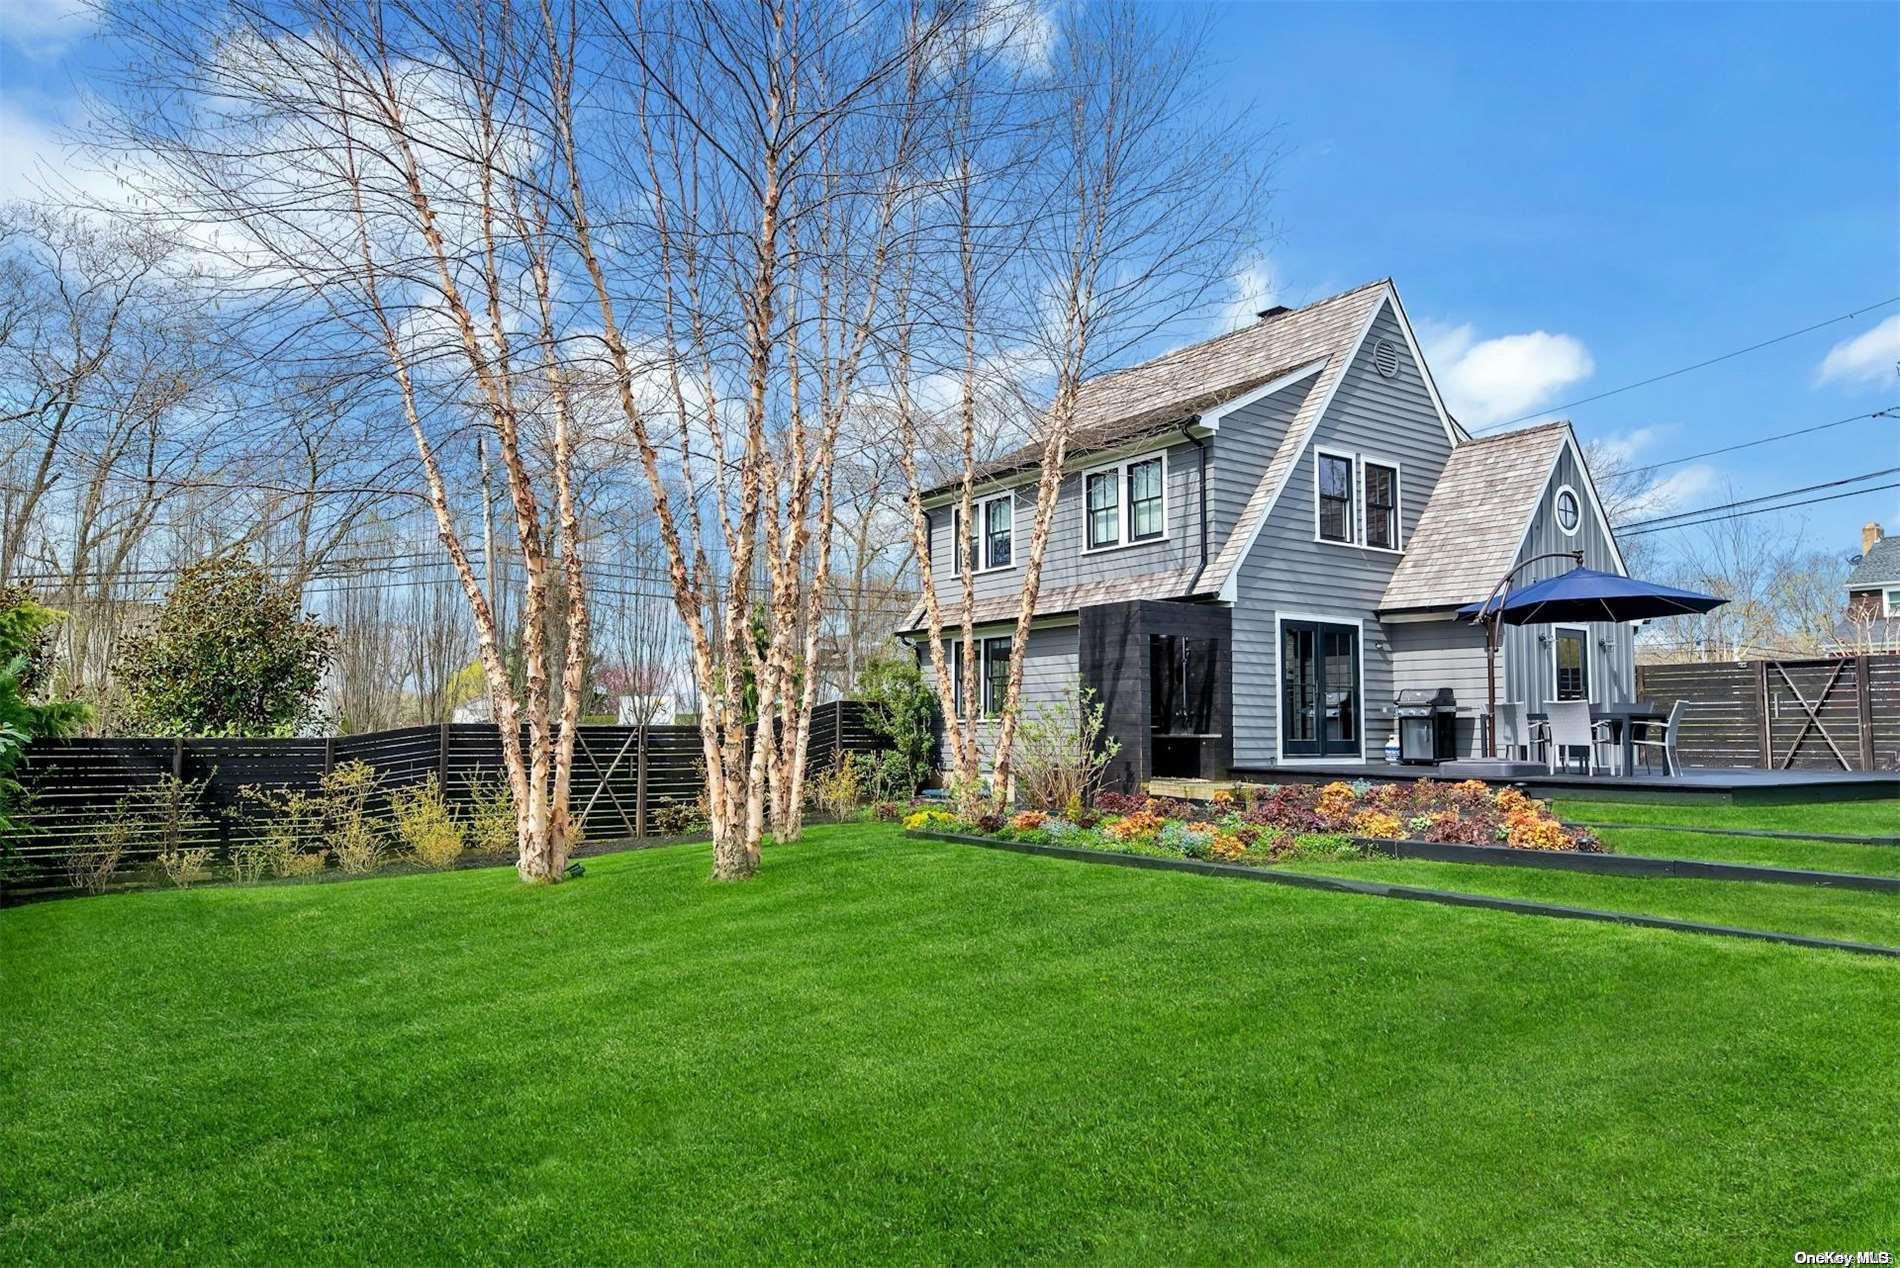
{"x": 1380, "y": 889}
{"x": 1837, "y": 838}
{"x": 1628, "y": 865}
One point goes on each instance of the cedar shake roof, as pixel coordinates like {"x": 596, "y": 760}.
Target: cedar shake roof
{"x": 1168, "y": 392}
{"x": 1878, "y": 567}
{"x": 1474, "y": 525}
{"x": 1052, "y": 600}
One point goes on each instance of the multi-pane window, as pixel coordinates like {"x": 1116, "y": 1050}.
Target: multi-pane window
{"x": 1335, "y": 498}
{"x": 1144, "y": 500}
{"x": 1382, "y": 506}
{"x": 1104, "y": 509}
{"x": 994, "y": 547}
{"x": 1573, "y": 664}
{"x": 999, "y": 516}
{"x": 995, "y": 675}
{"x": 1126, "y": 503}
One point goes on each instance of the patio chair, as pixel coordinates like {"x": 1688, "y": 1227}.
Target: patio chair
{"x": 1517, "y": 731}
{"x": 1672, "y": 729}
{"x": 1571, "y": 727}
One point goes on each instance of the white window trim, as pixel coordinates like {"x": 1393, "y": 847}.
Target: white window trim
{"x": 978, "y": 510}
{"x": 1123, "y": 505}
{"x": 1353, "y": 524}
{"x": 1557, "y": 518}
{"x": 1365, "y": 506}
{"x": 1279, "y": 723}
{"x": 1589, "y": 670}
{"x": 1888, "y": 608}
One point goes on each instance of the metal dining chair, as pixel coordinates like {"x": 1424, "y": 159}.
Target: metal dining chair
{"x": 1672, "y": 730}
{"x": 1571, "y": 727}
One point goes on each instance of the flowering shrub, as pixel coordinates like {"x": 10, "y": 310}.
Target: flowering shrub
{"x": 1335, "y": 804}
{"x": 1060, "y": 831}
{"x": 933, "y": 820}
{"x": 1191, "y": 839}
{"x": 1378, "y": 823}
{"x": 1226, "y": 847}
{"x": 1130, "y": 827}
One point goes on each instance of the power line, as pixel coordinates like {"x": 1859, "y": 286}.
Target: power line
{"x": 1765, "y": 497}
{"x": 1892, "y": 411}
{"x": 1670, "y": 374}
{"x": 1760, "y": 510}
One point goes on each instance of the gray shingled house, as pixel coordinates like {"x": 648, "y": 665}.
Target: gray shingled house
{"x": 1261, "y": 538}
{"x": 1873, "y": 586}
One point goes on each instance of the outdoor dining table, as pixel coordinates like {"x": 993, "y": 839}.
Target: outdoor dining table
{"x": 1624, "y": 716}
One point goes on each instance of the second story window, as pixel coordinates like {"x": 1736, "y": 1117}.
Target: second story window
{"x": 1335, "y": 498}
{"x": 999, "y": 519}
{"x": 995, "y": 675}
{"x": 1144, "y": 500}
{"x": 1382, "y": 506}
{"x": 1104, "y": 509}
{"x": 993, "y": 546}
{"x": 1125, "y": 504}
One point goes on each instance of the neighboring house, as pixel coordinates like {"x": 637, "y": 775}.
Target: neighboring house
{"x": 1262, "y": 537}
{"x": 1873, "y": 587}
{"x": 1872, "y": 619}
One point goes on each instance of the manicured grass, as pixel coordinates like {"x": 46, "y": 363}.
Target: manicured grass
{"x": 884, "y": 1049}
{"x": 1856, "y": 916}
{"x": 1819, "y": 856}
{"x": 1852, "y": 818}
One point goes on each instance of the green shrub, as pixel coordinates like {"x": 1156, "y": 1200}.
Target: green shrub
{"x": 840, "y": 788}
{"x": 679, "y": 818}
{"x": 185, "y": 867}
{"x": 1061, "y": 753}
{"x": 489, "y": 828}
{"x": 901, "y": 709}
{"x": 425, "y": 825}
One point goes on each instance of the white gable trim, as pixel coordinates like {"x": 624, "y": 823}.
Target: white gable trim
{"x": 1230, "y": 584}
{"x": 1452, "y": 431}
{"x": 1211, "y": 419}
{"x": 1570, "y": 446}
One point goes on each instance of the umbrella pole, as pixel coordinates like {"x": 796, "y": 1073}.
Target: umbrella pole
{"x": 1494, "y": 637}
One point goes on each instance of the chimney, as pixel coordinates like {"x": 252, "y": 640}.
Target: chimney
{"x": 1267, "y": 314}
{"x": 1870, "y": 533}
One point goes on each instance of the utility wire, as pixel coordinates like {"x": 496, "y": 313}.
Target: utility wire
{"x": 1760, "y": 510}
{"x": 1670, "y": 374}
{"x": 1657, "y": 520}
{"x": 1892, "y": 411}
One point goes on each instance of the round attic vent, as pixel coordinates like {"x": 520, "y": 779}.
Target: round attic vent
{"x": 1385, "y": 355}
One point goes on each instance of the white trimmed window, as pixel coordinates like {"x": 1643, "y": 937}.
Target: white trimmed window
{"x": 995, "y": 545}
{"x": 1892, "y": 602}
{"x": 1333, "y": 484}
{"x": 1125, "y": 504}
{"x": 1382, "y": 504}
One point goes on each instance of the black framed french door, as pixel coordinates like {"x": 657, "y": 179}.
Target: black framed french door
{"x": 1320, "y": 708}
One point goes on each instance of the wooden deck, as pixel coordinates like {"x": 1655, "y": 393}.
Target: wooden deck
{"x": 1737, "y": 785}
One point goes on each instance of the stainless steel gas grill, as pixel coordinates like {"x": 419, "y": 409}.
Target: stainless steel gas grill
{"x": 1428, "y": 724}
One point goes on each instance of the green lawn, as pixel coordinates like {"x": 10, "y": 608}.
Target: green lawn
{"x": 894, "y": 1050}
{"x": 1851, "y": 818}
{"x": 1854, "y": 915}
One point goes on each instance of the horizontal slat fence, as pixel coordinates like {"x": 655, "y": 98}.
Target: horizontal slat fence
{"x": 623, "y": 776}
{"x": 1837, "y": 713}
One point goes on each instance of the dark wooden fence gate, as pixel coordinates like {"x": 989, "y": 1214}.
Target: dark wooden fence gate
{"x": 1836, "y": 713}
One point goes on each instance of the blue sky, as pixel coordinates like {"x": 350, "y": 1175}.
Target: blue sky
{"x": 1570, "y": 197}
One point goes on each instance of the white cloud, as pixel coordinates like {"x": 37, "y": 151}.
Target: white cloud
{"x": 42, "y": 28}
{"x": 1489, "y": 380}
{"x": 1870, "y": 357}
{"x": 1256, "y": 286}
{"x": 1632, "y": 491}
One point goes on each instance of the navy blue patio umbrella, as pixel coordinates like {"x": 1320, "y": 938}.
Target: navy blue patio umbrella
{"x": 1585, "y": 594}
{"x": 1582, "y": 594}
